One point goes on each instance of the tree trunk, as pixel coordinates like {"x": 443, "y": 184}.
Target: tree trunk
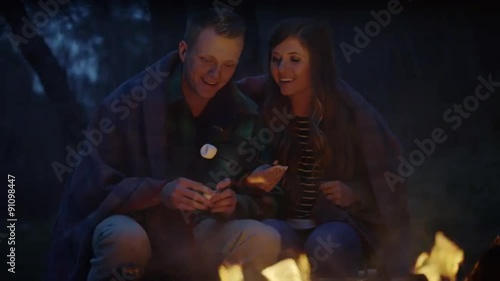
{"x": 251, "y": 60}
{"x": 26, "y": 40}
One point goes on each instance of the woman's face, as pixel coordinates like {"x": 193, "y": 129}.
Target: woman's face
{"x": 290, "y": 68}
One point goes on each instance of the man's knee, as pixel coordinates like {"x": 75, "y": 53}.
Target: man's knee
{"x": 262, "y": 236}
{"x": 121, "y": 235}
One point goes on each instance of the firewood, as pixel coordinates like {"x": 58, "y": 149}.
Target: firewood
{"x": 487, "y": 267}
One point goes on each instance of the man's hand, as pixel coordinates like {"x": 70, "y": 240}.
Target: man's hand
{"x": 266, "y": 177}
{"x": 224, "y": 201}
{"x": 339, "y": 193}
{"x": 185, "y": 194}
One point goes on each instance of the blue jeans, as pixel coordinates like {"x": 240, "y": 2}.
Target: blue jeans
{"x": 334, "y": 249}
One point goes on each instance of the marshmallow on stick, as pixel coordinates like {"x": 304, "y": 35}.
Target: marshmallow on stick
{"x": 208, "y": 151}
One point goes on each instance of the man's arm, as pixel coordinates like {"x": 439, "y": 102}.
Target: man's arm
{"x": 102, "y": 182}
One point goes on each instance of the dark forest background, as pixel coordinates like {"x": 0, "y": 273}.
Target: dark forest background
{"x": 426, "y": 59}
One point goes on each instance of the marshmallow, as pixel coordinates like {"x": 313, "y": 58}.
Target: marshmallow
{"x": 208, "y": 151}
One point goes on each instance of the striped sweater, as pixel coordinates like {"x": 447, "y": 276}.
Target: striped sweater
{"x": 305, "y": 170}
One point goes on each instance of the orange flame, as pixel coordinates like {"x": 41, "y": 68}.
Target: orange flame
{"x": 285, "y": 270}
{"x": 443, "y": 261}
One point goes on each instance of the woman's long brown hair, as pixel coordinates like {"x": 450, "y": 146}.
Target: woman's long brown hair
{"x": 333, "y": 134}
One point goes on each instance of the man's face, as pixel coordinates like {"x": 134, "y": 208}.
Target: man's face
{"x": 210, "y": 63}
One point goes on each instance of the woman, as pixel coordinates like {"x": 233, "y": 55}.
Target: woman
{"x": 337, "y": 206}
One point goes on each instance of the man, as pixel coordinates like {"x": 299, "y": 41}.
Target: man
{"x": 126, "y": 210}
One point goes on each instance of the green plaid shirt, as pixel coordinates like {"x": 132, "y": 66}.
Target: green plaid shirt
{"x": 228, "y": 122}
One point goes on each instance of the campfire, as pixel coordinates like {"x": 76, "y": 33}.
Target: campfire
{"x": 285, "y": 270}
{"x": 442, "y": 263}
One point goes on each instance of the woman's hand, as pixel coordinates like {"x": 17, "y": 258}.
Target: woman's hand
{"x": 339, "y": 193}
{"x": 266, "y": 177}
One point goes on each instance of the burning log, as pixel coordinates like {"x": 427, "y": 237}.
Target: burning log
{"x": 487, "y": 267}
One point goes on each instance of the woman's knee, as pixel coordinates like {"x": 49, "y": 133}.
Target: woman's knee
{"x": 289, "y": 238}
{"x": 334, "y": 235}
{"x": 279, "y": 225}
{"x": 121, "y": 235}
{"x": 334, "y": 247}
